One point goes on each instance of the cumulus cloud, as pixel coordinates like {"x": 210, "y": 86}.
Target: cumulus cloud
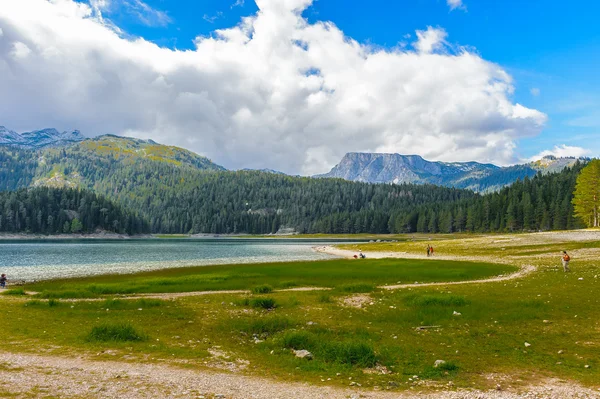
{"x": 563, "y": 151}
{"x": 274, "y": 91}
{"x": 456, "y": 4}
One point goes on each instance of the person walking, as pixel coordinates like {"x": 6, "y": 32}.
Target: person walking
{"x": 3, "y": 280}
{"x": 565, "y": 261}
{"x": 428, "y": 250}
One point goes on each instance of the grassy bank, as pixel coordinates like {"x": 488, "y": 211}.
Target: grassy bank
{"x": 339, "y": 274}
{"x": 353, "y": 331}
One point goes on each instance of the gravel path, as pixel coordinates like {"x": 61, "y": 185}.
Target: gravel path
{"x": 25, "y": 375}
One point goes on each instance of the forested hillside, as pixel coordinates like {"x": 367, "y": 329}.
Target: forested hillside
{"x": 54, "y": 211}
{"x": 541, "y": 203}
{"x": 176, "y": 191}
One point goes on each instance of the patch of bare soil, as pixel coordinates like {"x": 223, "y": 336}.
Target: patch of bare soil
{"x": 359, "y": 301}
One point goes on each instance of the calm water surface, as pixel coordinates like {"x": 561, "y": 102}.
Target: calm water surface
{"x": 48, "y": 259}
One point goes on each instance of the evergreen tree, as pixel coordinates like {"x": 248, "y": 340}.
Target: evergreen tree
{"x": 587, "y": 194}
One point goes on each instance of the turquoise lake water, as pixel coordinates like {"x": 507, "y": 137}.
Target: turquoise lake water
{"x": 48, "y": 259}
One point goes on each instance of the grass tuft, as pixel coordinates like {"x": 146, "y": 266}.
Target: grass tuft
{"x": 262, "y": 289}
{"x": 115, "y": 333}
{"x": 265, "y": 325}
{"x": 263, "y": 303}
{"x": 16, "y": 292}
{"x": 357, "y": 288}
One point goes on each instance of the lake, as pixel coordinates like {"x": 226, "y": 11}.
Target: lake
{"x": 48, "y": 259}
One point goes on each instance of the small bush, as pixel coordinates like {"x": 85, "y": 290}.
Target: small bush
{"x": 262, "y": 289}
{"x": 352, "y": 353}
{"x": 15, "y": 292}
{"x": 115, "y": 333}
{"x": 53, "y": 303}
{"x": 288, "y": 284}
{"x": 437, "y": 300}
{"x": 357, "y": 288}
{"x": 263, "y": 303}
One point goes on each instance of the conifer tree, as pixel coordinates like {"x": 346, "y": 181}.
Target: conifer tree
{"x": 586, "y": 199}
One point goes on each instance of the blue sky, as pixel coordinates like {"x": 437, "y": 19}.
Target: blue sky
{"x": 295, "y": 84}
{"x": 551, "y": 48}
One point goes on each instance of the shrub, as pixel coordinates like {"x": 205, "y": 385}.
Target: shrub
{"x": 115, "y": 333}
{"x": 262, "y": 289}
{"x": 264, "y": 303}
{"x": 53, "y": 303}
{"x": 353, "y": 353}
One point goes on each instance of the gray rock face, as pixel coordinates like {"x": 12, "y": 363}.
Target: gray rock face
{"x": 399, "y": 169}
{"x": 39, "y": 138}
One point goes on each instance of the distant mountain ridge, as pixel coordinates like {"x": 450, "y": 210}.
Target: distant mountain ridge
{"x": 398, "y": 169}
{"x": 39, "y": 138}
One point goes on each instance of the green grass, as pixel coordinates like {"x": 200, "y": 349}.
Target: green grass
{"x": 347, "y": 275}
{"x": 15, "y": 292}
{"x": 263, "y": 303}
{"x": 486, "y": 339}
{"x": 262, "y": 289}
{"x": 115, "y": 333}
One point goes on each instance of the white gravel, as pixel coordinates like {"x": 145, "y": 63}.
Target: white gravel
{"x": 25, "y": 375}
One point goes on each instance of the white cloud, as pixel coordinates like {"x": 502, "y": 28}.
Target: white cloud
{"x": 430, "y": 40}
{"x": 238, "y": 3}
{"x": 275, "y": 91}
{"x": 535, "y": 91}
{"x": 456, "y": 4}
{"x": 563, "y": 151}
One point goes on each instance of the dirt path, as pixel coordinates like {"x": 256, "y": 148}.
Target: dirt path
{"x": 26, "y": 376}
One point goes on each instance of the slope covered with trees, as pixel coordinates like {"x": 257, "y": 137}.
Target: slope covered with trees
{"x": 53, "y": 211}
{"x": 176, "y": 191}
{"x": 541, "y": 203}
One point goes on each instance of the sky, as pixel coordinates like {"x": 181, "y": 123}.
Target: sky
{"x": 293, "y": 85}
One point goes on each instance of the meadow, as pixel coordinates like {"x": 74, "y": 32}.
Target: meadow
{"x": 508, "y": 333}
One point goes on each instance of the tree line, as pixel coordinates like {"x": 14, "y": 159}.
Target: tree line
{"x": 49, "y": 211}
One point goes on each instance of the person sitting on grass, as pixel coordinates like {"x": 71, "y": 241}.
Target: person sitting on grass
{"x": 3, "y": 280}
{"x": 565, "y": 261}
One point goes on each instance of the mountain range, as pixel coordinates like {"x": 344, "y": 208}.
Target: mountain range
{"x": 39, "y": 138}
{"x": 359, "y": 167}
{"x": 398, "y": 169}
{"x": 173, "y": 190}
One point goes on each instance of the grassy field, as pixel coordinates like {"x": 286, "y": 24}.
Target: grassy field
{"x": 375, "y": 345}
{"x": 343, "y": 275}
